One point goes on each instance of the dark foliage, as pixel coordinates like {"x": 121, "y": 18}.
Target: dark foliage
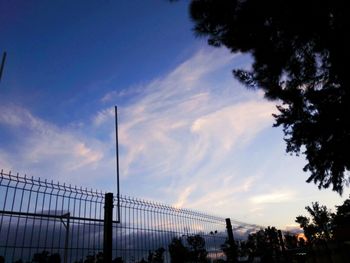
{"x": 178, "y": 252}
{"x": 156, "y": 256}
{"x": 46, "y": 257}
{"x": 300, "y": 52}
{"x": 98, "y": 258}
{"x": 230, "y": 250}
{"x": 342, "y": 217}
{"x": 118, "y": 260}
{"x": 319, "y": 226}
{"x": 341, "y": 222}
{"x": 291, "y": 241}
{"x": 194, "y": 251}
{"x": 264, "y": 244}
{"x": 197, "y": 251}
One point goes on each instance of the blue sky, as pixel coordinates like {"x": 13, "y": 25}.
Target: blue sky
{"x": 190, "y": 135}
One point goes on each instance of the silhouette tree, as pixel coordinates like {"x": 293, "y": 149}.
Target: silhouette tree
{"x": 258, "y": 246}
{"x": 194, "y": 252}
{"x": 46, "y": 257}
{"x": 142, "y": 261}
{"x": 291, "y": 241}
{"x": 341, "y": 221}
{"x": 342, "y": 217}
{"x": 319, "y": 227}
{"x": 178, "y": 252}
{"x": 299, "y": 50}
{"x": 273, "y": 243}
{"x": 118, "y": 260}
{"x": 197, "y": 251}
{"x": 157, "y": 256}
{"x": 96, "y": 258}
{"x": 231, "y": 251}
{"x": 265, "y": 244}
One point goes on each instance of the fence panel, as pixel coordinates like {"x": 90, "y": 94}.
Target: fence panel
{"x": 65, "y": 223}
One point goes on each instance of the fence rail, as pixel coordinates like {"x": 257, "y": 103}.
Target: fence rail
{"x": 37, "y": 215}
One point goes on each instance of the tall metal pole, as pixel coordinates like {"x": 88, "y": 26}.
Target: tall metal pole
{"x": 2, "y": 64}
{"x": 117, "y": 160}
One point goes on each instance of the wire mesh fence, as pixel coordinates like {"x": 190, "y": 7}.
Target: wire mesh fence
{"x": 46, "y": 219}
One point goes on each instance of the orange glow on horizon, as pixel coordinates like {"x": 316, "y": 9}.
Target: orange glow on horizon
{"x": 301, "y": 235}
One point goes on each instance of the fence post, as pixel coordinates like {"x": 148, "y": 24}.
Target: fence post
{"x": 107, "y": 228}
{"x": 229, "y": 231}
{"x": 66, "y": 225}
{"x": 232, "y": 255}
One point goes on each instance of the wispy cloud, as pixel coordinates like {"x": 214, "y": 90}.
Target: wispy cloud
{"x": 178, "y": 137}
{"x": 182, "y": 199}
{"x": 38, "y": 143}
{"x": 102, "y": 116}
{"x": 184, "y": 118}
{"x": 182, "y": 130}
{"x": 274, "y": 197}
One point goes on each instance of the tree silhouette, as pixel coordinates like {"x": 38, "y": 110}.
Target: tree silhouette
{"x": 265, "y": 244}
{"x": 257, "y": 244}
{"x": 273, "y": 241}
{"x": 319, "y": 227}
{"x": 341, "y": 221}
{"x": 178, "y": 252}
{"x": 197, "y": 251}
{"x": 156, "y": 256}
{"x": 342, "y": 217}
{"x": 231, "y": 251}
{"x": 46, "y": 257}
{"x": 291, "y": 241}
{"x": 194, "y": 252}
{"x": 300, "y": 49}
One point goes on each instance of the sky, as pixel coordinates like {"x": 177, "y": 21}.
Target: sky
{"x": 190, "y": 135}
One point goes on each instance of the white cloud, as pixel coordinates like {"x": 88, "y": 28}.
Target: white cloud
{"x": 181, "y": 130}
{"x": 182, "y": 199}
{"x": 233, "y": 125}
{"x": 183, "y": 118}
{"x": 38, "y": 143}
{"x": 293, "y": 228}
{"x": 102, "y": 116}
{"x": 274, "y": 197}
{"x": 223, "y": 195}
{"x": 5, "y": 163}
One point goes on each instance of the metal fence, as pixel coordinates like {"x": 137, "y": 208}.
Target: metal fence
{"x": 38, "y": 216}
